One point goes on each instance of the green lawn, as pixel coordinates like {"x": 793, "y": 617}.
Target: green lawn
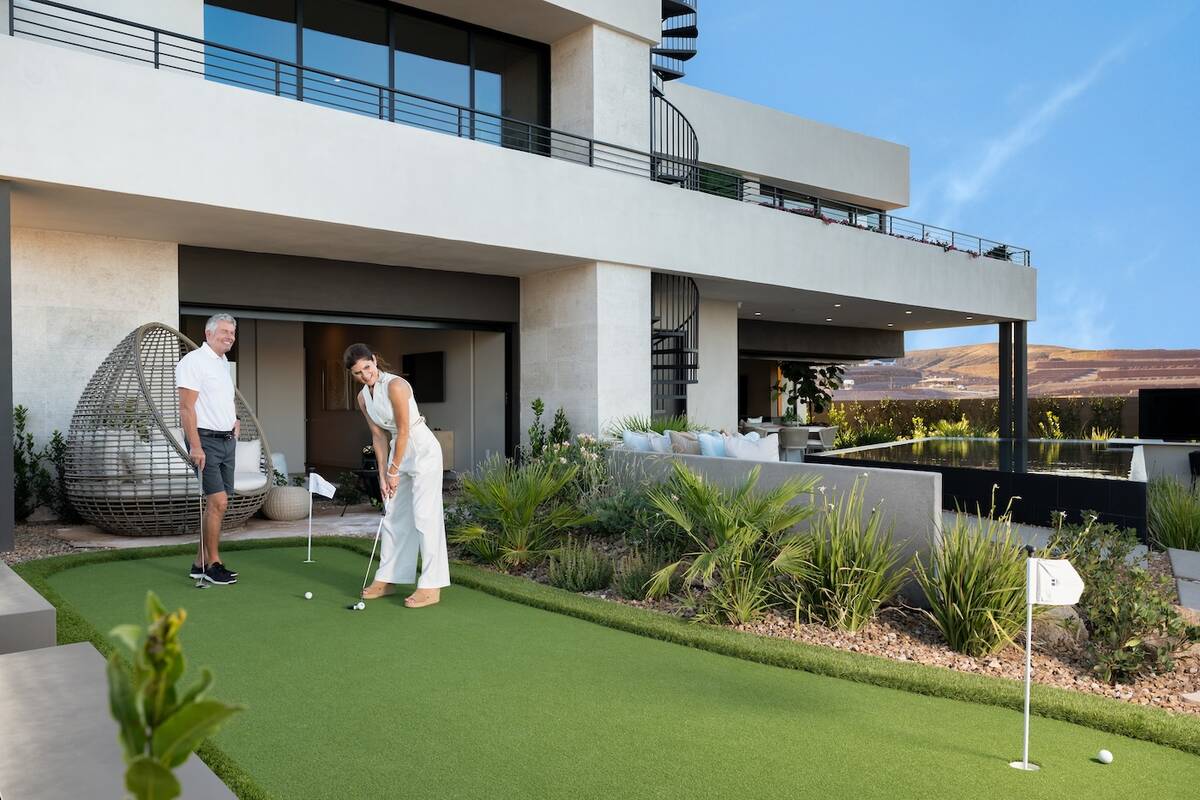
{"x": 484, "y": 698}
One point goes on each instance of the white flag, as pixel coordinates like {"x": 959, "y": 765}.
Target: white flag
{"x": 1054, "y": 582}
{"x": 320, "y": 486}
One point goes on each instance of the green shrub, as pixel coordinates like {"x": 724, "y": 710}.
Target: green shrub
{"x": 975, "y": 584}
{"x": 585, "y": 455}
{"x": 744, "y": 545}
{"x": 56, "y": 496}
{"x": 855, "y": 567}
{"x": 159, "y": 725}
{"x": 960, "y": 428}
{"x": 516, "y": 512}
{"x": 31, "y": 481}
{"x": 1133, "y": 628}
{"x": 1174, "y": 513}
{"x": 1102, "y": 434}
{"x": 679, "y": 422}
{"x": 635, "y": 570}
{"x": 1049, "y": 427}
{"x": 579, "y": 568}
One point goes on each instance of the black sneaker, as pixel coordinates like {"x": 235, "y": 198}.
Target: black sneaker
{"x": 216, "y": 573}
{"x": 197, "y": 572}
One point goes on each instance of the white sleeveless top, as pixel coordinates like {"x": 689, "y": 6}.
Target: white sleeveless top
{"x": 379, "y": 405}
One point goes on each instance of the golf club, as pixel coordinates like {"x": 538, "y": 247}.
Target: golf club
{"x": 200, "y": 584}
{"x": 387, "y": 506}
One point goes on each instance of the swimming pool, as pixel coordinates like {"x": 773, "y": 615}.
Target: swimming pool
{"x": 1040, "y": 476}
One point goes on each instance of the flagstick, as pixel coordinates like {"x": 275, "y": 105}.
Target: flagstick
{"x": 309, "y": 560}
{"x": 1029, "y": 577}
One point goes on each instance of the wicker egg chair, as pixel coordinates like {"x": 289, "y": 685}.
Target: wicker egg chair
{"x": 127, "y": 465}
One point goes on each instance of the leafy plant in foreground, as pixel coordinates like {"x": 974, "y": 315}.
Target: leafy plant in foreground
{"x": 159, "y": 725}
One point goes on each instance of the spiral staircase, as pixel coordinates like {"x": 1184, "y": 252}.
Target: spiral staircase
{"x": 674, "y": 148}
{"x": 675, "y": 152}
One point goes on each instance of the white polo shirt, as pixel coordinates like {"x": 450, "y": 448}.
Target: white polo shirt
{"x": 204, "y": 371}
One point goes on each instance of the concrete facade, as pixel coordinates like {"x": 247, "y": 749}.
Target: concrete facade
{"x": 580, "y": 329}
{"x": 598, "y": 86}
{"x": 713, "y": 399}
{"x": 74, "y": 298}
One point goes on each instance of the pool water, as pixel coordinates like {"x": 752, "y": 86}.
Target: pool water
{"x": 1048, "y": 456}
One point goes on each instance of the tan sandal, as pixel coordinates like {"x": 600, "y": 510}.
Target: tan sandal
{"x": 423, "y": 597}
{"x": 377, "y": 590}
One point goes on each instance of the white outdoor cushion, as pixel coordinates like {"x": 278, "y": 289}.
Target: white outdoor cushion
{"x": 659, "y": 442}
{"x": 636, "y": 440}
{"x": 247, "y": 456}
{"x": 248, "y": 481}
{"x": 109, "y": 452}
{"x": 169, "y": 461}
{"x": 765, "y": 449}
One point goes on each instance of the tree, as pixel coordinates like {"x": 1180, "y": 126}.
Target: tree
{"x": 811, "y": 383}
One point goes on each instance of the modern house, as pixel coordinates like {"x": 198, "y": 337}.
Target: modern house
{"x": 513, "y": 200}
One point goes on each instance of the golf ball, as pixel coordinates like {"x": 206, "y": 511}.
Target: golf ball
{"x": 362, "y": 605}
{"x": 1104, "y": 756}
{"x": 308, "y": 595}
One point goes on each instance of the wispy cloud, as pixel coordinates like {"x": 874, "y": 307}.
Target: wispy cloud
{"x": 1076, "y": 315}
{"x": 960, "y": 189}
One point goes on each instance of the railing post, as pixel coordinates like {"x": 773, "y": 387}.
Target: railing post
{"x": 458, "y": 128}
{"x": 922, "y": 231}
{"x": 277, "y": 79}
{"x": 155, "y": 42}
{"x": 391, "y": 95}
{"x": 11, "y": 18}
{"x": 591, "y": 152}
{"x": 381, "y": 102}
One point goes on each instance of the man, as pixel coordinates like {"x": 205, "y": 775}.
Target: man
{"x": 208, "y": 412}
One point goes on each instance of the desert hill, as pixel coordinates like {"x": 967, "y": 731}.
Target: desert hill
{"x": 970, "y": 371}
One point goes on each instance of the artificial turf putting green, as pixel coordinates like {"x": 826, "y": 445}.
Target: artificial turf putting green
{"x": 479, "y": 697}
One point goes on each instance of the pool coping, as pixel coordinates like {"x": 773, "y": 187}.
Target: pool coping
{"x": 1176, "y": 731}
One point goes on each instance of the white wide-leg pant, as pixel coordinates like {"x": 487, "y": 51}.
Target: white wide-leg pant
{"x": 416, "y": 522}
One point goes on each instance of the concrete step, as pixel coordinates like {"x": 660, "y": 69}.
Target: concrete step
{"x": 26, "y": 618}
{"x": 60, "y": 741}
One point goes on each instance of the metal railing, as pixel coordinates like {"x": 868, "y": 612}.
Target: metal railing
{"x": 112, "y": 36}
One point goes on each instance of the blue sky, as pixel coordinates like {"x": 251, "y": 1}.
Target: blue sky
{"x": 1070, "y": 128}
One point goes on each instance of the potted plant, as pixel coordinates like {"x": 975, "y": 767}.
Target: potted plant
{"x": 807, "y": 387}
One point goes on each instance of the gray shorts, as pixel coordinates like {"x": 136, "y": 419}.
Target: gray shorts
{"x": 219, "y": 451}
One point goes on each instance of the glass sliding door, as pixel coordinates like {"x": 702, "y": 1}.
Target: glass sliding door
{"x": 347, "y": 38}
{"x": 266, "y": 27}
{"x": 509, "y": 83}
{"x": 433, "y": 60}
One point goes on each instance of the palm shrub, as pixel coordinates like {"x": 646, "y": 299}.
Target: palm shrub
{"x": 516, "y": 514}
{"x": 953, "y": 429}
{"x": 160, "y": 725}
{"x": 31, "y": 481}
{"x": 975, "y": 584}
{"x": 579, "y": 568}
{"x": 1133, "y": 627}
{"x": 855, "y": 566}
{"x": 633, "y": 422}
{"x": 743, "y": 544}
{"x": 1174, "y": 513}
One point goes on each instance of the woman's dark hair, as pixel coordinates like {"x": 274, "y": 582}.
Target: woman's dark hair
{"x": 358, "y": 351}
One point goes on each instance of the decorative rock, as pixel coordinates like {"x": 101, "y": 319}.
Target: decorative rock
{"x": 1060, "y": 626}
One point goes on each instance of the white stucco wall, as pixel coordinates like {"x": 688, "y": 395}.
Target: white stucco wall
{"x": 581, "y": 330}
{"x": 75, "y": 297}
{"x": 600, "y": 86}
{"x": 769, "y": 143}
{"x": 713, "y": 399}
{"x": 141, "y": 120}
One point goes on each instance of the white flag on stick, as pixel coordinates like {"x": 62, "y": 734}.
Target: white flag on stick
{"x": 319, "y": 485}
{"x": 1055, "y": 583}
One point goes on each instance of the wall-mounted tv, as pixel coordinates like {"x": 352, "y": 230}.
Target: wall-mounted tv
{"x": 426, "y": 372}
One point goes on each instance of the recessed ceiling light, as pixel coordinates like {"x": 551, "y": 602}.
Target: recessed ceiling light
{"x": 890, "y": 325}
{"x": 829, "y": 319}
{"x": 907, "y": 312}
{"x": 970, "y": 318}
{"x": 837, "y": 305}
{"x": 759, "y": 314}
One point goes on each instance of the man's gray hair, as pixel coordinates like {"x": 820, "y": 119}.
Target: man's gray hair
{"x": 211, "y": 325}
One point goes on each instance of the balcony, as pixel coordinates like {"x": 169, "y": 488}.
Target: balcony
{"x": 164, "y": 50}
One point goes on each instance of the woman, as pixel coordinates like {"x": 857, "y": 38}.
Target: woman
{"x": 410, "y": 477}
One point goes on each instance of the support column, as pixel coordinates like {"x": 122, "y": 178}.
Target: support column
{"x": 6, "y": 364}
{"x": 1006, "y": 380}
{"x": 1020, "y": 382}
